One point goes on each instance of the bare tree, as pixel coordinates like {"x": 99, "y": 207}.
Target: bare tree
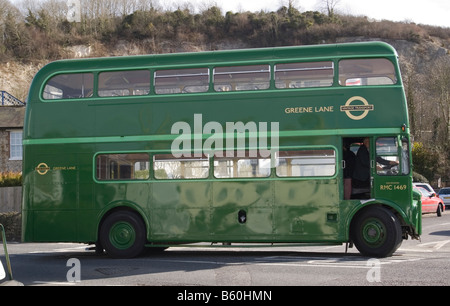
{"x": 438, "y": 84}
{"x": 328, "y": 6}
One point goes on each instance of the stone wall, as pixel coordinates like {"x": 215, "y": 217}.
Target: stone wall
{"x": 10, "y": 199}
{"x": 12, "y": 222}
{"x": 10, "y": 212}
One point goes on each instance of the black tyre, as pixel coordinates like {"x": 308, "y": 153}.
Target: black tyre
{"x": 439, "y": 210}
{"x": 376, "y": 232}
{"x": 123, "y": 234}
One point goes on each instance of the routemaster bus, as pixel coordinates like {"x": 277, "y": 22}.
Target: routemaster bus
{"x": 303, "y": 144}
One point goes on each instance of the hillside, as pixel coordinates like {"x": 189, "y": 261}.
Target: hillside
{"x": 33, "y": 37}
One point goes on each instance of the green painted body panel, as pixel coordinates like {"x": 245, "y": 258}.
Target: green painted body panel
{"x": 62, "y": 137}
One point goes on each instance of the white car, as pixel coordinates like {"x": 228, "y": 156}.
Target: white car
{"x": 426, "y": 187}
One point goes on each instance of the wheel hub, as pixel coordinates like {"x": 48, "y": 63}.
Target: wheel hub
{"x": 373, "y": 232}
{"x": 122, "y": 235}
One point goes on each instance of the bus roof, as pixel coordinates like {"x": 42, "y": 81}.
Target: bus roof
{"x": 317, "y": 52}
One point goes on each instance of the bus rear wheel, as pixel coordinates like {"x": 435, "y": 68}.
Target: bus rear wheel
{"x": 122, "y": 234}
{"x": 376, "y": 232}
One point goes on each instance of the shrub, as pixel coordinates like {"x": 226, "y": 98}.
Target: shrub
{"x": 9, "y": 179}
{"x": 12, "y": 222}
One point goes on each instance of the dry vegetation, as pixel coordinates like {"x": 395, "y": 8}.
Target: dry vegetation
{"x": 35, "y": 31}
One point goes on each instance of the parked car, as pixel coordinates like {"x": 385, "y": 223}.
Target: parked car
{"x": 430, "y": 202}
{"x": 426, "y": 187}
{"x": 444, "y": 194}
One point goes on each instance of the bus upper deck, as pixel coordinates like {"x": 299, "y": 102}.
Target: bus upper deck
{"x": 336, "y": 85}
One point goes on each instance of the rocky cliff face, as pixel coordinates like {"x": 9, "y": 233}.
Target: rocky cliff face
{"x": 16, "y": 77}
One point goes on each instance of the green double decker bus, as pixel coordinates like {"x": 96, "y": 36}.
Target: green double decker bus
{"x": 306, "y": 144}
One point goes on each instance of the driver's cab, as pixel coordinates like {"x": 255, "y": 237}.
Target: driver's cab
{"x": 373, "y": 166}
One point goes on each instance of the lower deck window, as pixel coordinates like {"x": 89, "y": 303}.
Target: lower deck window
{"x": 242, "y": 164}
{"x": 166, "y": 166}
{"x": 133, "y": 166}
{"x": 306, "y": 163}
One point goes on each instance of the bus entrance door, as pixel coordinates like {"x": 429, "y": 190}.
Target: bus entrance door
{"x": 357, "y": 166}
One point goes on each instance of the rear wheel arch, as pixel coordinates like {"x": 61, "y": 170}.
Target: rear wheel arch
{"x": 376, "y": 230}
{"x": 125, "y": 206}
{"x": 387, "y": 205}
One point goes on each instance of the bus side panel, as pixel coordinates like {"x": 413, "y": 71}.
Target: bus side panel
{"x": 51, "y": 196}
{"x": 307, "y": 210}
{"x": 57, "y": 226}
{"x": 179, "y": 211}
{"x": 110, "y": 195}
{"x": 242, "y": 211}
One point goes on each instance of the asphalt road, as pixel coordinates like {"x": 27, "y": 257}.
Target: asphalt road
{"x": 425, "y": 262}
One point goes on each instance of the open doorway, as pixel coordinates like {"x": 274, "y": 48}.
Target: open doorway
{"x": 356, "y": 167}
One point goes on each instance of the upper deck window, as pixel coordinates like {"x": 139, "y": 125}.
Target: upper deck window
{"x": 181, "y": 81}
{"x": 124, "y": 83}
{"x": 237, "y": 78}
{"x": 303, "y": 75}
{"x": 69, "y": 86}
{"x": 373, "y": 71}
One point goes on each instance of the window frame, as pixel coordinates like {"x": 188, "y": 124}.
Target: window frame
{"x": 283, "y": 68}
{"x": 245, "y": 156}
{"x": 188, "y": 160}
{"x": 401, "y": 156}
{"x": 90, "y": 90}
{"x": 239, "y": 70}
{"x": 201, "y": 72}
{"x": 278, "y": 166}
{"x": 361, "y": 78}
{"x": 97, "y": 170}
{"x": 16, "y": 144}
{"x": 121, "y": 72}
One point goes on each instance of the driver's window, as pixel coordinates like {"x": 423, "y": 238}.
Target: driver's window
{"x": 405, "y": 156}
{"x": 387, "y": 159}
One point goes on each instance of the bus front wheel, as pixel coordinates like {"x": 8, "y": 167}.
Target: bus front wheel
{"x": 376, "y": 232}
{"x": 122, "y": 234}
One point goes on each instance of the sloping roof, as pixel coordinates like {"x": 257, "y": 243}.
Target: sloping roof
{"x": 12, "y": 116}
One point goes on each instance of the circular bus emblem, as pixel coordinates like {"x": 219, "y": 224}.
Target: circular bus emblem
{"x": 348, "y": 108}
{"x": 42, "y": 168}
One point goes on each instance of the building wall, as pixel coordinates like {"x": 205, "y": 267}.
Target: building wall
{"x": 10, "y": 199}
{"x": 11, "y": 119}
{"x": 5, "y": 163}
